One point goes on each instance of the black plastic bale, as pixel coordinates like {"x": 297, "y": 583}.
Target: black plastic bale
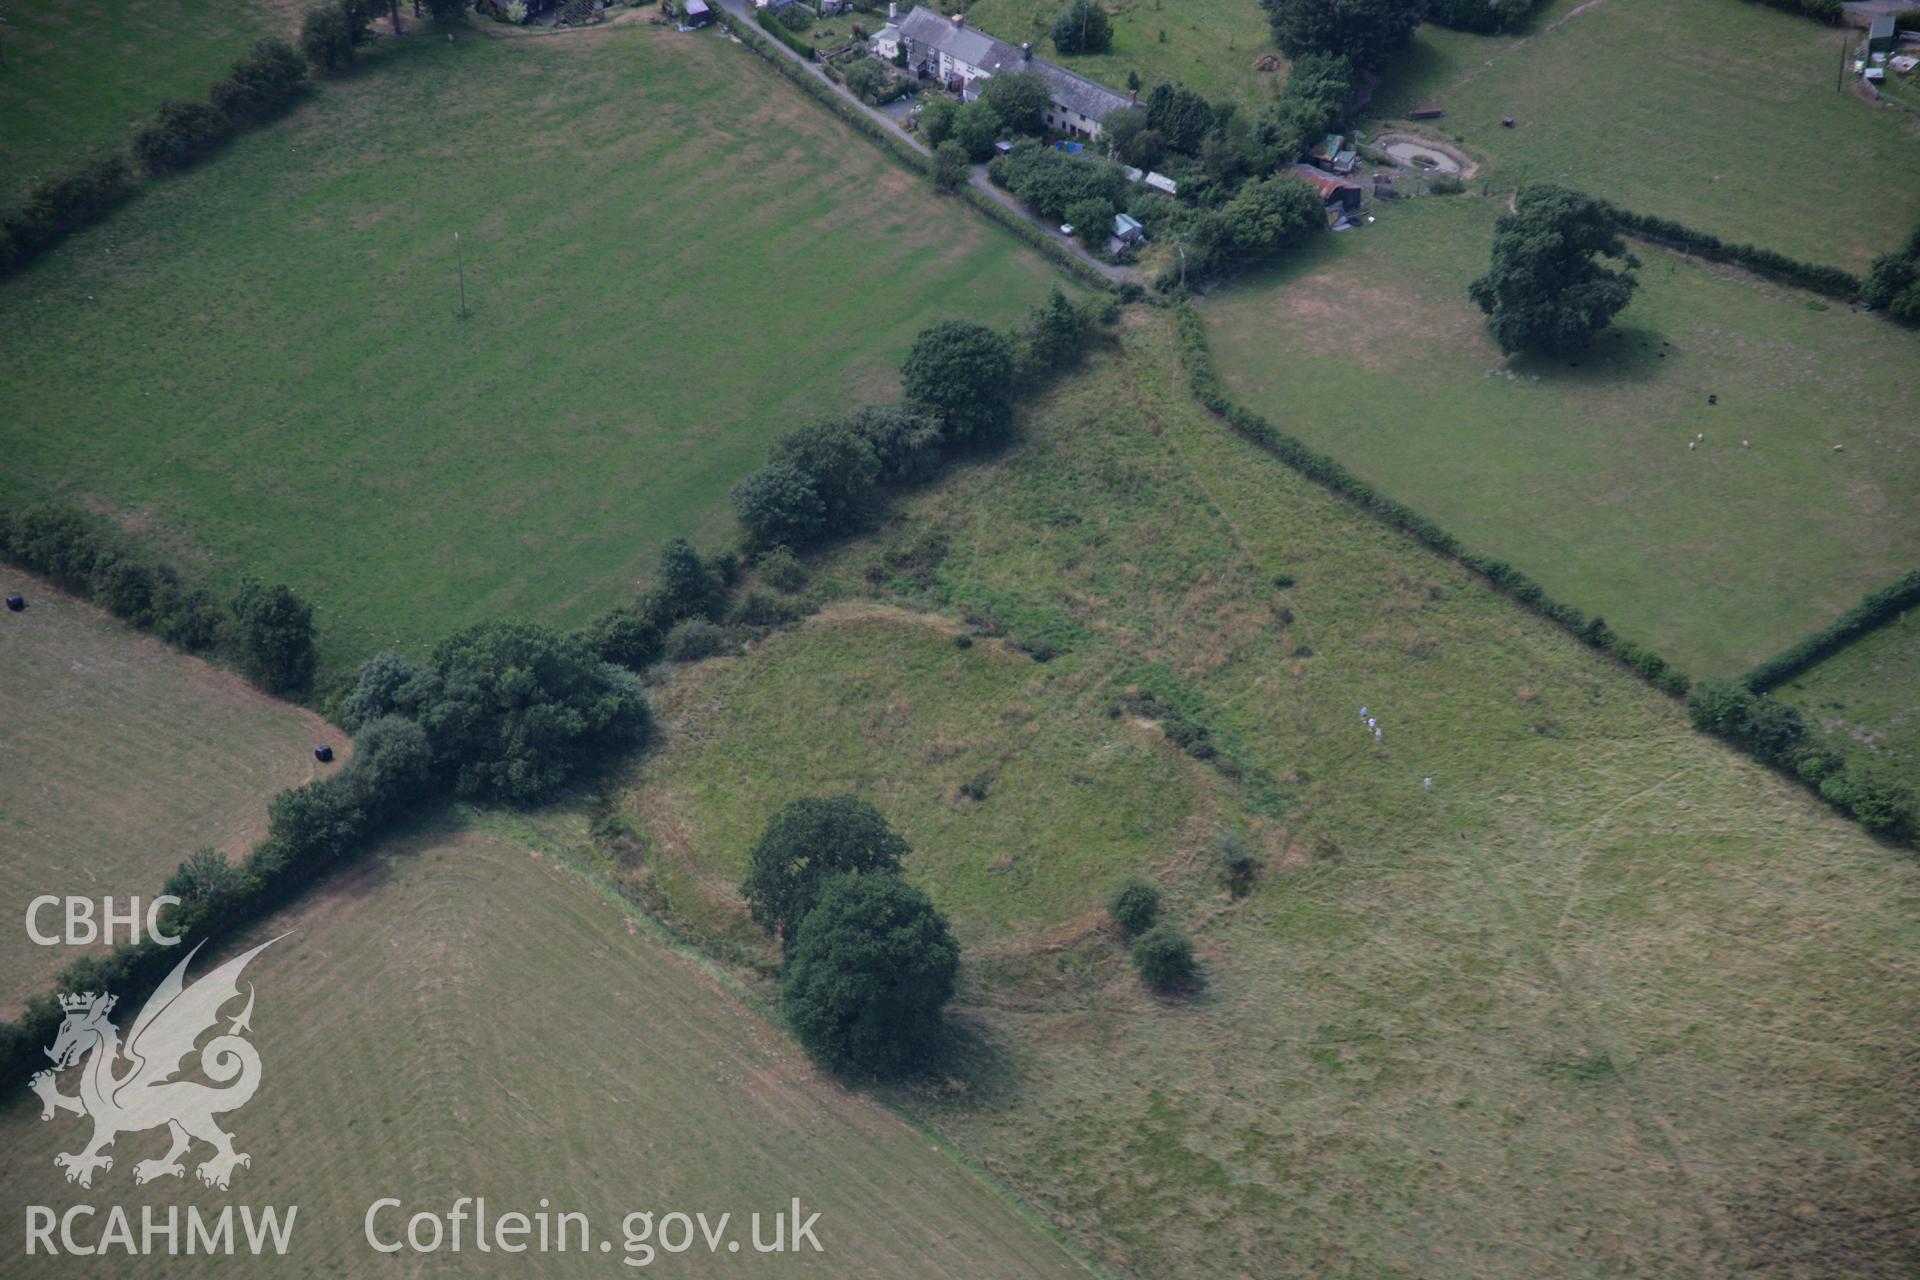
{"x": 324, "y": 754}
{"x": 16, "y": 603}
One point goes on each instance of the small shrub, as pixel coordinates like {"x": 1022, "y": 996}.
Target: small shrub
{"x": 1134, "y": 906}
{"x": 781, "y": 570}
{"x": 690, "y": 641}
{"x": 963, "y": 641}
{"x": 1163, "y": 958}
{"x": 180, "y": 134}
{"x": 759, "y": 609}
{"x": 1237, "y": 861}
{"x": 796, "y": 18}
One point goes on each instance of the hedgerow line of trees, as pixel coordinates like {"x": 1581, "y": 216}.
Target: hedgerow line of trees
{"x": 960, "y": 382}
{"x": 265, "y": 631}
{"x": 1875, "y": 609}
{"x": 511, "y": 711}
{"x": 255, "y": 89}
{"x": 1329, "y": 473}
{"x": 1733, "y": 710}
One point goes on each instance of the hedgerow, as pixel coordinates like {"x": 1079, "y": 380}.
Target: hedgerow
{"x": 1323, "y": 470}
{"x": 1874, "y": 609}
{"x": 1830, "y": 281}
{"x": 181, "y": 133}
{"x": 269, "y": 636}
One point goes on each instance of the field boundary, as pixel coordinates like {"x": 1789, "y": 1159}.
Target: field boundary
{"x": 911, "y": 155}
{"x": 1875, "y": 610}
{"x": 1332, "y": 475}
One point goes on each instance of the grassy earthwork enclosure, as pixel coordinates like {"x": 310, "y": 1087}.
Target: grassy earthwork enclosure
{"x": 1722, "y": 116}
{"x": 460, "y": 1015}
{"x": 80, "y": 79}
{"x": 260, "y": 363}
{"x": 1607, "y": 988}
{"x": 119, "y": 757}
{"x": 1578, "y": 469}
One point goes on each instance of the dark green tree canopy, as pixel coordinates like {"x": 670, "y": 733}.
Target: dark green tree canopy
{"x": 684, "y": 587}
{"x": 275, "y": 630}
{"x": 778, "y": 506}
{"x": 872, "y": 970}
{"x": 809, "y": 841}
{"x": 1893, "y": 282}
{"x": 1366, "y": 31}
{"x": 905, "y": 444}
{"x": 961, "y": 374}
{"x": 1083, "y": 28}
{"x": 514, "y": 709}
{"x": 1180, "y": 116}
{"x": 1134, "y": 906}
{"x": 1545, "y": 291}
{"x": 1164, "y": 959}
{"x": 841, "y": 466}
{"x": 1019, "y": 99}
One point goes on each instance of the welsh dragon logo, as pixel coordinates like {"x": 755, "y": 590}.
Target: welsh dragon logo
{"x": 132, "y": 1089}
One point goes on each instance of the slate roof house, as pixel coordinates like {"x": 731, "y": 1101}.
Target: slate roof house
{"x": 947, "y": 50}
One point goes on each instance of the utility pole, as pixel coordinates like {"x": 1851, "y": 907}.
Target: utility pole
{"x": 460, "y": 260}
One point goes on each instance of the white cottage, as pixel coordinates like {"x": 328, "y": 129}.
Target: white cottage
{"x": 958, "y": 56}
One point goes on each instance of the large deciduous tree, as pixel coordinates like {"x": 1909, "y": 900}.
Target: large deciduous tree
{"x": 1546, "y": 290}
{"x": 873, "y": 968}
{"x": 805, "y": 844}
{"x": 513, "y": 709}
{"x": 961, "y": 374}
{"x": 275, "y": 630}
{"x": 1083, "y": 28}
{"x": 1366, "y": 31}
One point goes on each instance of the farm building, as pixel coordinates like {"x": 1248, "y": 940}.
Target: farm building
{"x": 958, "y": 56}
{"x": 1331, "y": 190}
{"x": 1881, "y": 36}
{"x": 1333, "y": 154}
{"x": 1127, "y": 229}
{"x": 695, "y": 13}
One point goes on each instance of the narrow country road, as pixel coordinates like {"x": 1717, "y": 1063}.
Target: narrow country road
{"x": 741, "y": 11}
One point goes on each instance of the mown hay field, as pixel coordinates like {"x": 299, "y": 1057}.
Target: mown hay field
{"x": 462, "y": 1016}
{"x": 119, "y": 757}
{"x": 261, "y": 364}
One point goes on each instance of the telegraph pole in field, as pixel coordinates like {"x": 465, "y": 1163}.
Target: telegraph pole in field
{"x": 460, "y": 260}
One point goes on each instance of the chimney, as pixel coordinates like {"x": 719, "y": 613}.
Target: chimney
{"x": 1026, "y": 52}
{"x": 893, "y": 11}
{"x": 1133, "y": 97}
{"x": 957, "y": 20}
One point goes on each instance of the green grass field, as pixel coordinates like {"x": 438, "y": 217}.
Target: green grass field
{"x": 1866, "y": 699}
{"x": 463, "y": 1016}
{"x": 1724, "y": 117}
{"x": 1370, "y": 350}
{"x": 1210, "y": 45}
{"x": 261, "y": 365}
{"x": 1609, "y": 1000}
{"x": 119, "y": 757}
{"x": 79, "y": 81}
